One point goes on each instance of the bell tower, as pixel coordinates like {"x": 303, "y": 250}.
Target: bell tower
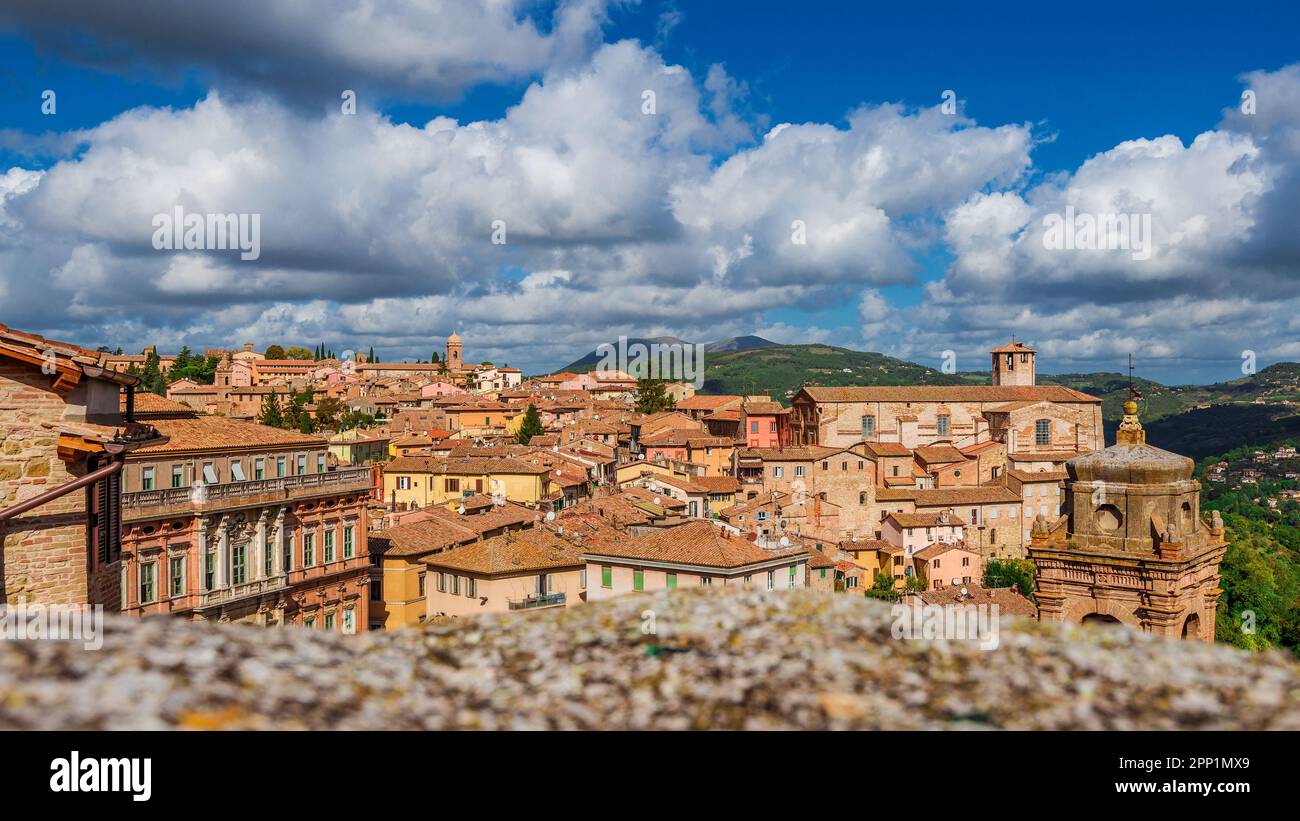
{"x": 1132, "y": 547}
{"x": 1013, "y": 365}
{"x": 453, "y": 351}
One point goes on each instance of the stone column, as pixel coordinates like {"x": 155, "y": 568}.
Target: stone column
{"x": 223, "y": 552}
{"x": 277, "y": 559}
{"x": 260, "y": 552}
{"x": 202, "y": 554}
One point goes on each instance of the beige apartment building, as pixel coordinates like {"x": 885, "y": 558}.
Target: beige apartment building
{"x": 690, "y": 555}
{"x": 1028, "y": 418}
{"x": 529, "y": 569}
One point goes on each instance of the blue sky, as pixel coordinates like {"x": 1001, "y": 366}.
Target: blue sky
{"x": 1076, "y": 82}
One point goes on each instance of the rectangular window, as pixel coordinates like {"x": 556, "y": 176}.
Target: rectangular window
{"x": 279, "y": 466}
{"x": 771, "y": 580}
{"x": 706, "y": 581}
{"x": 943, "y": 425}
{"x": 309, "y": 622}
{"x": 329, "y": 620}
{"x": 455, "y": 585}
{"x": 793, "y": 572}
{"x": 178, "y": 576}
{"x": 237, "y": 471}
{"x": 239, "y": 564}
{"x": 442, "y": 582}
{"x": 178, "y": 476}
{"x": 210, "y": 570}
{"x": 753, "y": 427}
{"x": 1043, "y": 432}
{"x": 582, "y": 579}
{"x": 471, "y": 588}
{"x": 638, "y": 579}
{"x": 672, "y": 581}
{"x": 349, "y": 620}
{"x": 348, "y": 546}
{"x": 320, "y": 463}
{"x": 868, "y": 426}
{"x": 329, "y": 546}
{"x": 209, "y": 473}
{"x": 799, "y": 470}
{"x": 302, "y": 464}
{"x": 259, "y": 469}
{"x": 147, "y": 591}
{"x": 309, "y": 550}
{"x": 778, "y": 472}
{"x": 146, "y": 479}
{"x": 451, "y": 485}
{"x": 606, "y": 576}
{"x": 421, "y": 583}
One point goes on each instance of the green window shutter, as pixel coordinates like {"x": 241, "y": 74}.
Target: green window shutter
{"x": 638, "y": 580}
{"x": 672, "y": 581}
{"x": 607, "y": 577}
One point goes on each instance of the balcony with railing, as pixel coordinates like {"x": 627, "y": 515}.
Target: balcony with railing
{"x": 537, "y": 602}
{"x": 166, "y": 501}
{"x": 234, "y": 592}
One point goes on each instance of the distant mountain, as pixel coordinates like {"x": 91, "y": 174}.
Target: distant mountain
{"x": 780, "y": 370}
{"x": 738, "y": 343}
{"x": 735, "y": 343}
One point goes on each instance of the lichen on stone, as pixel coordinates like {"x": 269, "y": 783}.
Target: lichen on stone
{"x": 717, "y": 659}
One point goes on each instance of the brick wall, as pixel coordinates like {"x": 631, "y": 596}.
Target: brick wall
{"x": 44, "y": 550}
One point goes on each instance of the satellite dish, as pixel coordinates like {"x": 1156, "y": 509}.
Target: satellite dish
{"x": 965, "y": 592}
{"x": 956, "y": 581}
{"x": 658, "y": 501}
{"x": 550, "y": 515}
{"x": 785, "y": 542}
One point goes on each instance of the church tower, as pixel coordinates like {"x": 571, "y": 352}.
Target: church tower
{"x": 453, "y": 351}
{"x": 1013, "y": 365}
{"x": 1133, "y": 547}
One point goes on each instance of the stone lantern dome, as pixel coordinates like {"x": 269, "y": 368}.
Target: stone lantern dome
{"x": 1132, "y": 546}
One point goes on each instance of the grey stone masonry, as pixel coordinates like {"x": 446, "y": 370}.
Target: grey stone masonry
{"x": 715, "y": 659}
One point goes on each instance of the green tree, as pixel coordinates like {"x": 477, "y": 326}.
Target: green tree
{"x": 274, "y": 352}
{"x": 328, "y": 412}
{"x": 917, "y": 583}
{"x": 883, "y": 588}
{"x": 297, "y": 352}
{"x": 435, "y": 360}
{"x": 151, "y": 378}
{"x": 1008, "y": 573}
{"x": 652, "y": 396}
{"x": 183, "y": 360}
{"x": 531, "y": 426}
{"x": 270, "y": 414}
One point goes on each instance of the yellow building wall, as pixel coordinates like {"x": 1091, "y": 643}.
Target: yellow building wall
{"x": 430, "y": 489}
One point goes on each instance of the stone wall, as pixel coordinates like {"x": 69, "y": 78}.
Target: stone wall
{"x": 713, "y": 659}
{"x": 44, "y": 550}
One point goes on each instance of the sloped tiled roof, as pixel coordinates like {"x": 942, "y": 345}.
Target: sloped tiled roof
{"x": 697, "y": 543}
{"x": 950, "y": 393}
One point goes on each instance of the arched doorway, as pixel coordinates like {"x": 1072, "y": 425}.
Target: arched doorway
{"x": 1099, "y": 618}
{"x": 1192, "y": 627}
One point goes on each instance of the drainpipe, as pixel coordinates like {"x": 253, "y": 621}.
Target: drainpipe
{"x": 61, "y": 490}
